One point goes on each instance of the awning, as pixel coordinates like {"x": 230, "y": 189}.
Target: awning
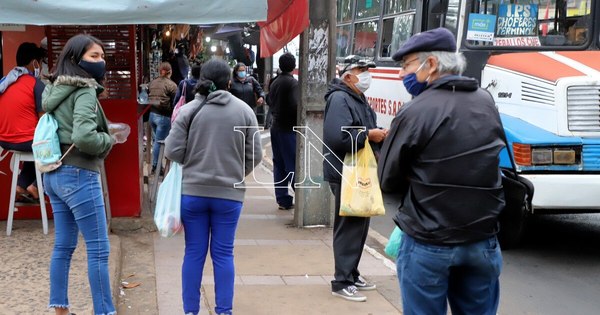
{"x": 286, "y": 20}
{"x": 97, "y": 12}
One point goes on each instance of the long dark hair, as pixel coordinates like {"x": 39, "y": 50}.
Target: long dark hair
{"x": 70, "y": 56}
{"x": 214, "y": 76}
{"x": 237, "y": 67}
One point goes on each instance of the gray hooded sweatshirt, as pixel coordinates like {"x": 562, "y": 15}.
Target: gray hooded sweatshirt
{"x": 223, "y": 146}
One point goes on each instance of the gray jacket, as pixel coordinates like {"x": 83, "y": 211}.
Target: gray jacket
{"x": 223, "y": 147}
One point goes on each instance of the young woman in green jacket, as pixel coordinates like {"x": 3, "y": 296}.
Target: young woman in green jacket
{"x": 74, "y": 188}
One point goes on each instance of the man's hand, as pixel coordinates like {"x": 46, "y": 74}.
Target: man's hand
{"x": 260, "y": 101}
{"x": 377, "y": 135}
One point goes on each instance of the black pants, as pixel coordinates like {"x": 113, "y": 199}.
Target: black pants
{"x": 27, "y": 175}
{"x": 349, "y": 236}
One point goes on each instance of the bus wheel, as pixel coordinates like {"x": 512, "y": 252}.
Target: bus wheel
{"x": 513, "y": 227}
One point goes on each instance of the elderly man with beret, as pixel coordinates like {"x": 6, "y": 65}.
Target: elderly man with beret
{"x": 346, "y": 107}
{"x": 441, "y": 159}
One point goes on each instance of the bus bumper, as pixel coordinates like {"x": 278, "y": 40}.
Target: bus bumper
{"x": 568, "y": 191}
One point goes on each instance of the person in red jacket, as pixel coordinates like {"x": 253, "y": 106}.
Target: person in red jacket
{"x": 20, "y": 107}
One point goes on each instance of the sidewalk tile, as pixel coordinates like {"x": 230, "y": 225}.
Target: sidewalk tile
{"x": 304, "y": 280}
{"x": 262, "y": 280}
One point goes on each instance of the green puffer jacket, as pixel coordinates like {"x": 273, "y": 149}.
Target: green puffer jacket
{"x": 81, "y": 120}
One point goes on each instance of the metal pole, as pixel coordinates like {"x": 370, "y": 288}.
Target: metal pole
{"x": 317, "y": 68}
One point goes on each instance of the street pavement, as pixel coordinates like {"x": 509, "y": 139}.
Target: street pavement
{"x": 280, "y": 269}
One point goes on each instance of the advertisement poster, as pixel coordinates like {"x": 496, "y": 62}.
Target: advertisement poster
{"x": 481, "y": 27}
{"x": 517, "y": 20}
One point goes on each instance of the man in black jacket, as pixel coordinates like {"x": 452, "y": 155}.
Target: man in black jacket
{"x": 441, "y": 159}
{"x": 346, "y": 107}
{"x": 283, "y": 99}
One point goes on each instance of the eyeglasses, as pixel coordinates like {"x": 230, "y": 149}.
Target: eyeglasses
{"x": 404, "y": 64}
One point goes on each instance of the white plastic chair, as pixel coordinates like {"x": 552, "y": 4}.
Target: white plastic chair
{"x": 19, "y": 156}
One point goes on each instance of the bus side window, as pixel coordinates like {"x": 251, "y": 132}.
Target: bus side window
{"x": 396, "y": 31}
{"x": 365, "y": 38}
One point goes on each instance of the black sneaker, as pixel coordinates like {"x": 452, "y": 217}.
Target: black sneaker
{"x": 350, "y": 293}
{"x": 285, "y": 207}
{"x": 362, "y": 285}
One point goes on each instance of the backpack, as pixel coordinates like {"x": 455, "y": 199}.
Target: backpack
{"x": 46, "y": 144}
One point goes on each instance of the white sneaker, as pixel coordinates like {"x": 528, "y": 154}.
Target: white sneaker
{"x": 350, "y": 293}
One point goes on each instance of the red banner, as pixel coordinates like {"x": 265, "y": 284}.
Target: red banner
{"x": 286, "y": 19}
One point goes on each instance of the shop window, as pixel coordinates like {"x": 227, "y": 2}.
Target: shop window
{"x": 119, "y": 45}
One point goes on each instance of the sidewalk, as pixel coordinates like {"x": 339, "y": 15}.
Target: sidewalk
{"x": 24, "y": 270}
{"x": 280, "y": 269}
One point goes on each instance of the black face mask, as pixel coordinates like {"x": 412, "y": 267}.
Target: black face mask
{"x": 95, "y": 69}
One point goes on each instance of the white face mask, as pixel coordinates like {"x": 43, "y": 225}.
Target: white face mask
{"x": 364, "y": 81}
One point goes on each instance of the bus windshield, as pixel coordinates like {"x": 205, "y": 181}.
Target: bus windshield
{"x": 529, "y": 23}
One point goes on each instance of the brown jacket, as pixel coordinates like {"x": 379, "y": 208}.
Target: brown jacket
{"x": 161, "y": 94}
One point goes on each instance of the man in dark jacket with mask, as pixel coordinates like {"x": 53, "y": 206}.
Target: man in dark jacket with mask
{"x": 441, "y": 159}
{"x": 347, "y": 106}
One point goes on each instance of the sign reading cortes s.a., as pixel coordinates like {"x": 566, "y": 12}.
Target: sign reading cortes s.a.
{"x": 517, "y": 20}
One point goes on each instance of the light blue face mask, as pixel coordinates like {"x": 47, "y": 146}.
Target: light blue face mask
{"x": 241, "y": 74}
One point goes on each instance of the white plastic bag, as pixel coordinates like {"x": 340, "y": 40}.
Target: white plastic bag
{"x": 167, "y": 213}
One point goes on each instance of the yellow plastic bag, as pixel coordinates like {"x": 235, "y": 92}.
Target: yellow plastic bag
{"x": 361, "y": 195}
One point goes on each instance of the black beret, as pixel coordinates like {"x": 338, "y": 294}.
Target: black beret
{"x": 438, "y": 39}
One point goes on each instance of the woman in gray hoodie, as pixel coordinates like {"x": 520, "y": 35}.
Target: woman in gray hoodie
{"x": 215, "y": 138}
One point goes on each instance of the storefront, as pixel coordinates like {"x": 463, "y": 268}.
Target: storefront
{"x": 132, "y": 51}
{"x": 126, "y": 55}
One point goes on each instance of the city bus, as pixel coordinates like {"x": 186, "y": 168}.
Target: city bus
{"x": 539, "y": 59}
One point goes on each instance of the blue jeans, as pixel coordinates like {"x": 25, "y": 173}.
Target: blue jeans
{"x": 284, "y": 162}
{"x": 466, "y": 276}
{"x": 208, "y": 221}
{"x": 161, "y": 125}
{"x": 78, "y": 205}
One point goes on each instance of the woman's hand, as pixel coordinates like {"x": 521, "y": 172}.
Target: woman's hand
{"x": 260, "y": 101}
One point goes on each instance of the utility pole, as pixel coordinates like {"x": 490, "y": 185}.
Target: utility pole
{"x": 317, "y": 68}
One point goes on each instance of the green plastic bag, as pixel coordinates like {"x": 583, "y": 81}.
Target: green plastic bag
{"x": 393, "y": 246}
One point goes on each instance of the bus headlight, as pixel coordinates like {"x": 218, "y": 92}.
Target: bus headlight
{"x": 541, "y": 156}
{"x": 564, "y": 156}
{"x": 526, "y": 155}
